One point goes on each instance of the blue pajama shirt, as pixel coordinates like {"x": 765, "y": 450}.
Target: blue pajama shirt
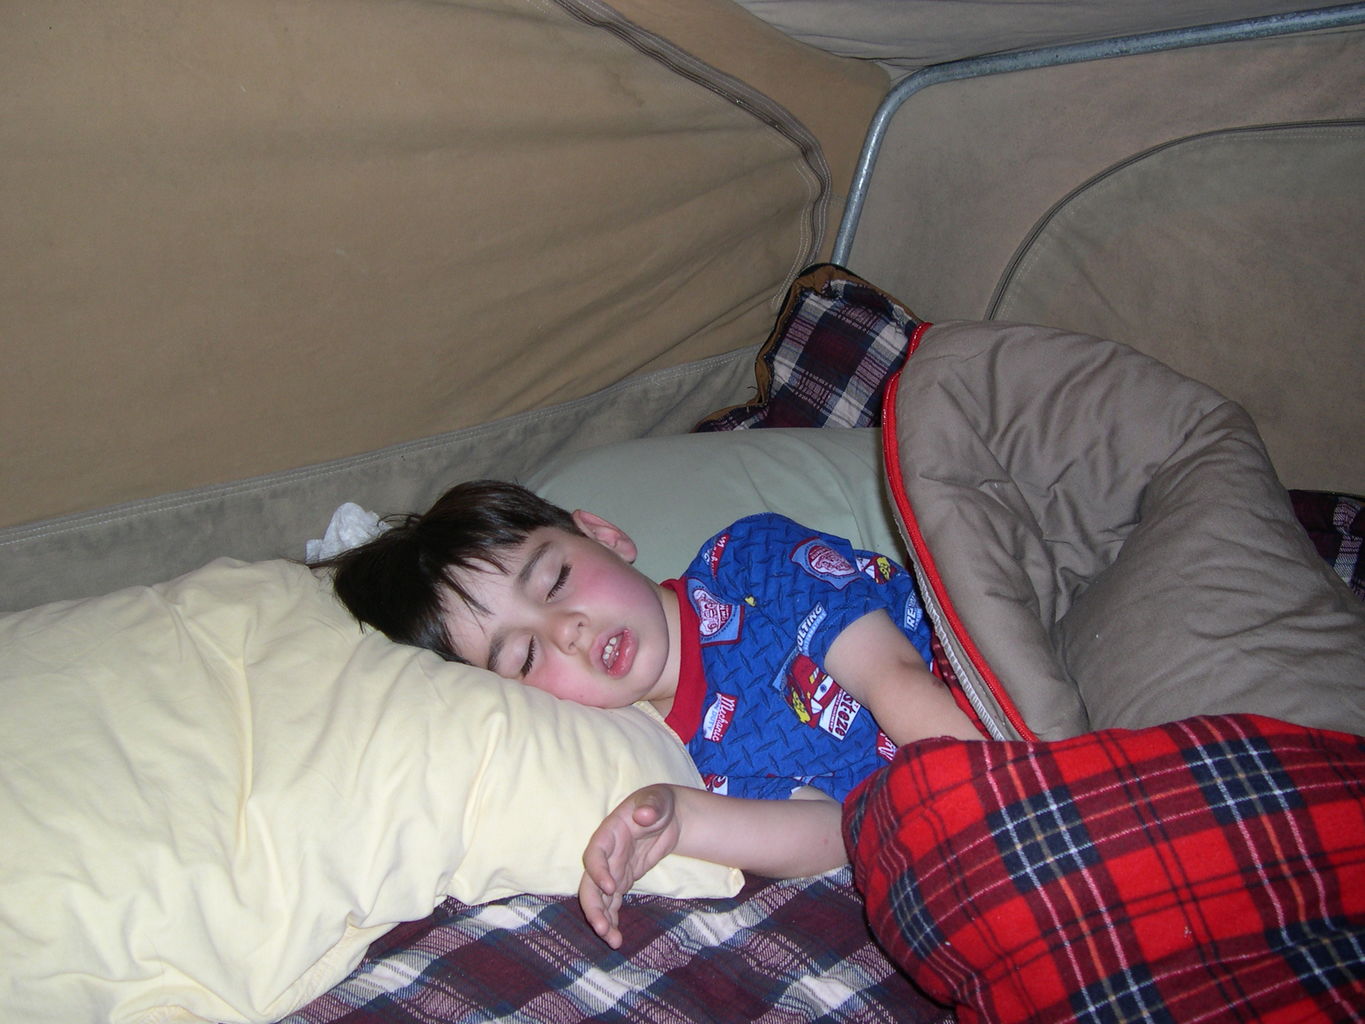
{"x": 761, "y": 604}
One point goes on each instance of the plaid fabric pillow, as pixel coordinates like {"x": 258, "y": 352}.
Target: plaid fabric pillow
{"x": 1211, "y": 869}
{"x": 1336, "y": 524}
{"x": 836, "y": 343}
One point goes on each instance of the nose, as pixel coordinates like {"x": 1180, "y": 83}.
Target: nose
{"x": 566, "y": 631}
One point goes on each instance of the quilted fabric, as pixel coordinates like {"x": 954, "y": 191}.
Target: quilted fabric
{"x": 1209, "y": 869}
{"x": 826, "y": 363}
{"x": 1102, "y": 542}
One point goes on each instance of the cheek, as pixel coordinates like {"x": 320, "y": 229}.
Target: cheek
{"x": 542, "y": 681}
{"x": 568, "y": 682}
{"x": 555, "y": 678}
{"x": 611, "y": 582}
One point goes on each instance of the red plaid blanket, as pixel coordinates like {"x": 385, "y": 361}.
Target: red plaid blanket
{"x": 1206, "y": 870}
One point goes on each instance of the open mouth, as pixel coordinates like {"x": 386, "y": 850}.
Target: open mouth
{"x": 617, "y": 653}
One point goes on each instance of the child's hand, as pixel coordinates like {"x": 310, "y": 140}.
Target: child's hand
{"x": 775, "y": 838}
{"x": 632, "y": 839}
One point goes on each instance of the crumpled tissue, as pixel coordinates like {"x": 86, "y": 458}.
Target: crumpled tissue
{"x": 350, "y": 527}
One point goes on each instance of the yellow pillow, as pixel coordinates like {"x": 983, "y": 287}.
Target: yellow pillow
{"x": 219, "y": 790}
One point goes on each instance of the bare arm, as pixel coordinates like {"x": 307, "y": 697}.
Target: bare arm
{"x": 875, "y": 663}
{"x": 776, "y": 838}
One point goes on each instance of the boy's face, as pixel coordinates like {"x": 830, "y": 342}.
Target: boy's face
{"x": 571, "y": 616}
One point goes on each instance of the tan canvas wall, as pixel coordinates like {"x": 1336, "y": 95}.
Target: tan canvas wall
{"x": 242, "y": 237}
{"x": 969, "y": 168}
{"x": 1203, "y": 205}
{"x": 835, "y": 98}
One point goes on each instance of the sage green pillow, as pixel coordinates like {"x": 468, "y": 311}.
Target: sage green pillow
{"x": 672, "y": 493}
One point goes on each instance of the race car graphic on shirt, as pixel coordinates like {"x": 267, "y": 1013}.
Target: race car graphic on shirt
{"x": 817, "y": 699}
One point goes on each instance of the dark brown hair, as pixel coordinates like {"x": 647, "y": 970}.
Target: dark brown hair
{"x": 397, "y": 582}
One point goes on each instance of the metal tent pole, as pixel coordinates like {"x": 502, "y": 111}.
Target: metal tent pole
{"x": 1070, "y": 53}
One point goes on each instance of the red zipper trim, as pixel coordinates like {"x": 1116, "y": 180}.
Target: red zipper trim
{"x": 891, "y": 456}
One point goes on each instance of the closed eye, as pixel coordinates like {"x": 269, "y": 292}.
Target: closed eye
{"x": 530, "y": 661}
{"x": 560, "y": 580}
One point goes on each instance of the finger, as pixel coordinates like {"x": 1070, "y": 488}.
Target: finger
{"x": 611, "y": 934}
{"x": 593, "y": 903}
{"x": 598, "y": 868}
{"x": 604, "y": 881}
{"x": 601, "y": 912}
{"x": 652, "y": 805}
{"x": 602, "y": 855}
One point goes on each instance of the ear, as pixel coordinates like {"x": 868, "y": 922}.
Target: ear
{"x": 607, "y": 534}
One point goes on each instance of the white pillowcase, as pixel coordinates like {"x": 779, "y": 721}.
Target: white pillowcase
{"x": 219, "y": 790}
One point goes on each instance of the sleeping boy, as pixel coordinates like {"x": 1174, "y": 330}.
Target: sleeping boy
{"x": 740, "y": 654}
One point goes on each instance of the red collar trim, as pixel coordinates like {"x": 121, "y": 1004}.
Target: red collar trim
{"x": 684, "y": 717}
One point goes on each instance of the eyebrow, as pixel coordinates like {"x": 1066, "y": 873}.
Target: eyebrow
{"x": 523, "y": 579}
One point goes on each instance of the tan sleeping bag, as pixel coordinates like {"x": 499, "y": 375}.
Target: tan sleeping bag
{"x": 1102, "y": 542}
